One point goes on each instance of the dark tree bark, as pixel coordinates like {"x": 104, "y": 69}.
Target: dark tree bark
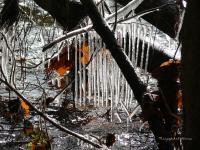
{"x": 190, "y": 74}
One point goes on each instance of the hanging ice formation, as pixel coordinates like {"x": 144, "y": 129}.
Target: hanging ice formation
{"x": 101, "y": 83}
{"x": 98, "y": 79}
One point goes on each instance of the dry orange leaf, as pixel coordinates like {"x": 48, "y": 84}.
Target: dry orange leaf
{"x": 26, "y": 109}
{"x": 62, "y": 65}
{"x": 85, "y": 57}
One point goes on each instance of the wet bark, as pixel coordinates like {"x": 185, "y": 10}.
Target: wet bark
{"x": 190, "y": 74}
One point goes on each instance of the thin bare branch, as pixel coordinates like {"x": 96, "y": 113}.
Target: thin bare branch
{"x": 62, "y": 128}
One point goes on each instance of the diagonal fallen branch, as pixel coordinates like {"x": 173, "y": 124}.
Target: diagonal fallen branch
{"x": 62, "y": 128}
{"x": 115, "y": 49}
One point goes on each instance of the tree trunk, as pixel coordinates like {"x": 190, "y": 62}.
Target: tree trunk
{"x": 190, "y": 74}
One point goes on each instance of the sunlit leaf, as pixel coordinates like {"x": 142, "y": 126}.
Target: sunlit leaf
{"x": 62, "y": 65}
{"x": 26, "y": 108}
{"x": 85, "y": 57}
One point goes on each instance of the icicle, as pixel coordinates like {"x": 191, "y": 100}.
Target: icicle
{"x": 100, "y": 71}
{"x": 84, "y": 71}
{"x": 118, "y": 117}
{"x": 131, "y": 96}
{"x": 120, "y": 40}
{"x": 53, "y": 81}
{"x": 105, "y": 73}
{"x": 94, "y": 71}
{"x": 120, "y": 37}
{"x": 43, "y": 43}
{"x": 92, "y": 65}
{"x": 68, "y": 50}
{"x": 117, "y": 79}
{"x": 89, "y": 67}
{"x": 112, "y": 80}
{"x": 129, "y": 55}
{"x": 107, "y": 79}
{"x": 44, "y": 56}
{"x": 97, "y": 69}
{"x": 101, "y": 53}
{"x": 148, "y": 48}
{"x": 138, "y": 42}
{"x": 129, "y": 40}
{"x": 5, "y": 59}
{"x": 59, "y": 82}
{"x": 76, "y": 72}
{"x": 143, "y": 47}
{"x": 115, "y": 83}
{"x": 79, "y": 69}
{"x": 58, "y": 52}
{"x": 42, "y": 38}
{"x": 124, "y": 38}
{"x": 125, "y": 48}
{"x": 117, "y": 98}
{"x": 49, "y": 63}
{"x": 140, "y": 129}
{"x": 134, "y": 43}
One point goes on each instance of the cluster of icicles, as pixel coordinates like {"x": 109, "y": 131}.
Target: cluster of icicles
{"x": 101, "y": 83}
